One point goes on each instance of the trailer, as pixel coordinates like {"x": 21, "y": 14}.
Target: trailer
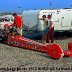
{"x": 62, "y": 19}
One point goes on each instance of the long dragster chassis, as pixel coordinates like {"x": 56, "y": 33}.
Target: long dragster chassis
{"x": 53, "y": 50}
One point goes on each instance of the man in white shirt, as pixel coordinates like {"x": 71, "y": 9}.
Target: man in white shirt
{"x": 45, "y": 22}
{"x": 50, "y": 27}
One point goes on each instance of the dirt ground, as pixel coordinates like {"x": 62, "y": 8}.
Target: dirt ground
{"x": 13, "y": 59}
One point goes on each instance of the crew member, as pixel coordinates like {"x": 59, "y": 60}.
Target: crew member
{"x": 50, "y": 30}
{"x": 45, "y": 22}
{"x": 18, "y": 23}
{"x": 6, "y": 31}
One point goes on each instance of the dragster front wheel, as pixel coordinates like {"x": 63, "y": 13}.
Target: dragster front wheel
{"x": 55, "y": 51}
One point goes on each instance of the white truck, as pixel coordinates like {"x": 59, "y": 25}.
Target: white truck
{"x": 6, "y": 19}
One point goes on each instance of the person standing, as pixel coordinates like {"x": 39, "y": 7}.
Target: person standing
{"x": 18, "y": 23}
{"x": 45, "y": 22}
{"x": 50, "y": 30}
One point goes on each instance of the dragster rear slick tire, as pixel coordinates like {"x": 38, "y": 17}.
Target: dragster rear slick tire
{"x": 55, "y": 51}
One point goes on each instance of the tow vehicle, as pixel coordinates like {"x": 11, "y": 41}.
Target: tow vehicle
{"x": 6, "y": 19}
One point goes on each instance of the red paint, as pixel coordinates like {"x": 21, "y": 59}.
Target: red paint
{"x": 70, "y": 46}
{"x": 53, "y": 50}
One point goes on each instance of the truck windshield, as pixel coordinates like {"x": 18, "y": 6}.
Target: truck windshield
{"x": 7, "y": 19}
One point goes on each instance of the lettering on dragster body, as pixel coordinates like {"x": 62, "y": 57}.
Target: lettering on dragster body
{"x": 36, "y": 47}
{"x": 28, "y": 44}
{"x": 21, "y": 42}
{"x": 13, "y": 41}
{"x": 31, "y": 45}
{"x": 24, "y": 42}
{"x": 10, "y": 40}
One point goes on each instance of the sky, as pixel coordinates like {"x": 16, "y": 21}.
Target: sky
{"x": 20, "y": 5}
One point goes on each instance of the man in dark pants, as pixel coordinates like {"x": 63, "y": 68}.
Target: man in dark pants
{"x": 50, "y": 30}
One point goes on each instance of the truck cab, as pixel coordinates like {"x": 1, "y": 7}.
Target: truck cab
{"x": 6, "y": 19}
